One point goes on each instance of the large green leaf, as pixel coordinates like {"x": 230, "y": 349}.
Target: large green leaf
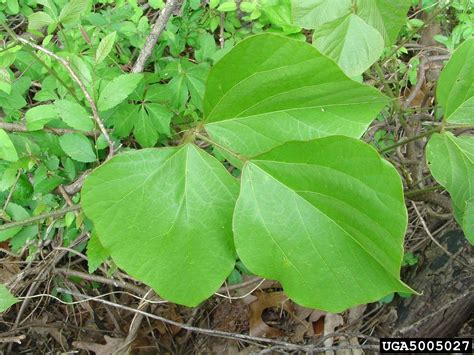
{"x": 386, "y": 16}
{"x": 455, "y": 89}
{"x": 352, "y": 33}
{"x": 326, "y": 218}
{"x": 165, "y": 216}
{"x": 451, "y": 161}
{"x": 351, "y": 42}
{"x": 314, "y": 13}
{"x": 270, "y": 89}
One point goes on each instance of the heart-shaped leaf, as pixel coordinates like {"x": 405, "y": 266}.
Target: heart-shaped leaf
{"x": 165, "y": 216}
{"x": 455, "y": 89}
{"x": 451, "y": 161}
{"x": 270, "y": 89}
{"x": 326, "y": 218}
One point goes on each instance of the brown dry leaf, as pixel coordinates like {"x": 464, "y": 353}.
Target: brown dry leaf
{"x": 8, "y": 269}
{"x": 110, "y": 347}
{"x": 264, "y": 301}
{"x": 52, "y": 328}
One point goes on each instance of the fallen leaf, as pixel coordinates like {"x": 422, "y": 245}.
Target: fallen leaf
{"x": 110, "y": 347}
{"x": 264, "y": 301}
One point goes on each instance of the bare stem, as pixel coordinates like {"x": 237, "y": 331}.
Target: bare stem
{"x": 158, "y": 27}
{"x": 32, "y": 220}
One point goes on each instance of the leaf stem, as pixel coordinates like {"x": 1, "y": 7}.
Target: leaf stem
{"x": 408, "y": 140}
{"x": 210, "y": 141}
{"x": 32, "y": 220}
{"x": 414, "y": 193}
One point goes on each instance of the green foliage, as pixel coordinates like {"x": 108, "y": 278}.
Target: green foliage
{"x": 6, "y": 298}
{"x": 74, "y": 115}
{"x": 451, "y": 161}
{"x": 7, "y": 149}
{"x": 78, "y": 147}
{"x": 117, "y": 90}
{"x": 317, "y": 209}
{"x": 105, "y": 46}
{"x": 337, "y": 194}
{"x": 96, "y": 253}
{"x": 455, "y": 91}
{"x": 287, "y": 96}
{"x": 182, "y": 200}
{"x": 171, "y": 208}
{"x": 353, "y": 33}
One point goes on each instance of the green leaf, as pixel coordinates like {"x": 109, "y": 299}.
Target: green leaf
{"x": 468, "y": 221}
{"x": 118, "y": 90}
{"x": 16, "y": 213}
{"x": 7, "y": 149}
{"x": 78, "y": 147}
{"x": 38, "y": 116}
{"x": 278, "y": 13}
{"x": 455, "y": 89}
{"x": 74, "y": 115}
{"x": 351, "y": 42}
{"x": 38, "y": 20}
{"x": 386, "y": 16}
{"x": 270, "y": 89}
{"x": 171, "y": 209}
{"x": 227, "y": 6}
{"x": 105, "y": 46}
{"x": 72, "y": 11}
{"x": 96, "y": 253}
{"x": 6, "y": 298}
{"x": 314, "y": 13}
{"x": 5, "y": 81}
{"x": 326, "y": 218}
{"x": 451, "y": 161}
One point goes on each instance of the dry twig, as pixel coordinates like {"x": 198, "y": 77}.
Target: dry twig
{"x": 158, "y": 27}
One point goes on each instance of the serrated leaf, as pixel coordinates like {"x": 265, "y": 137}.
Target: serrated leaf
{"x": 105, "y": 46}
{"x": 7, "y": 149}
{"x": 38, "y": 20}
{"x": 78, "y": 147}
{"x": 351, "y": 42}
{"x": 118, "y": 90}
{"x": 326, "y": 218}
{"x": 6, "y": 298}
{"x": 451, "y": 161}
{"x": 96, "y": 253}
{"x": 171, "y": 208}
{"x": 38, "y": 116}
{"x": 455, "y": 90}
{"x": 72, "y": 11}
{"x": 74, "y": 115}
{"x": 270, "y": 89}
